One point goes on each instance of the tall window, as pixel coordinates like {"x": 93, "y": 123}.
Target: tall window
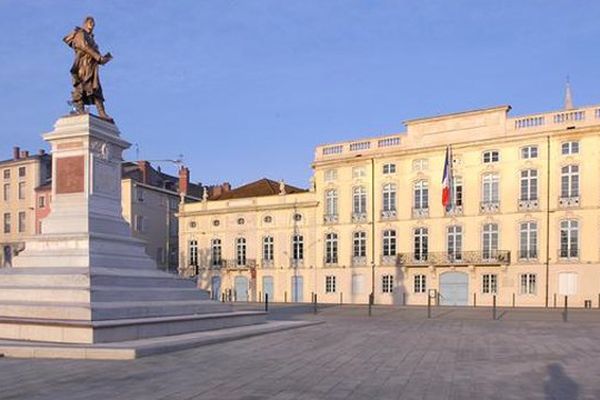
{"x": 297, "y": 247}
{"x": 389, "y": 197}
{"x": 193, "y": 252}
{"x": 387, "y": 283}
{"x": 569, "y": 238}
{"x": 21, "y": 190}
{"x": 139, "y": 194}
{"x": 454, "y": 242}
{"x": 359, "y": 172}
{"x": 359, "y": 244}
{"x": 330, "y": 175}
{"x": 491, "y": 156}
{"x": 42, "y": 202}
{"x": 570, "y": 148}
{"x": 215, "y": 252}
{"x": 6, "y": 192}
{"x": 6, "y": 222}
{"x": 331, "y": 248}
{"x": 569, "y": 181}
{"x": 389, "y": 243}
{"x": 331, "y": 202}
{"x": 240, "y": 251}
{"x": 421, "y": 195}
{"x": 22, "y": 172}
{"x": 528, "y": 152}
{"x": 6, "y": 173}
{"x": 389, "y": 169}
{"x": 490, "y": 284}
{"x": 457, "y": 193}
{"x": 330, "y": 284}
{"x": 420, "y": 284}
{"x": 529, "y": 184}
{"x": 420, "y": 247}
{"x": 268, "y": 248}
{"x": 490, "y": 241}
{"x": 490, "y": 188}
{"x": 359, "y": 200}
{"x": 528, "y": 284}
{"x": 528, "y": 241}
{"x": 22, "y": 225}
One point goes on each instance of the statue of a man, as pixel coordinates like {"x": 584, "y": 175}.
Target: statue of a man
{"x": 85, "y": 69}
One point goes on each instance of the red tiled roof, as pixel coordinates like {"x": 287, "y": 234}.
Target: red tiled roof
{"x": 261, "y": 187}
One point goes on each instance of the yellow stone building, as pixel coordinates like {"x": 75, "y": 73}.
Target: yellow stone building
{"x": 524, "y": 226}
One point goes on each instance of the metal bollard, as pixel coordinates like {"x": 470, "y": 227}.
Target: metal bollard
{"x": 370, "y": 303}
{"x": 565, "y": 316}
{"x": 223, "y": 297}
{"x": 513, "y": 300}
{"x": 404, "y": 298}
{"x": 494, "y": 308}
{"x": 315, "y": 303}
{"x": 266, "y": 302}
{"x": 474, "y": 299}
{"x": 428, "y": 306}
{"x": 341, "y": 298}
{"x": 285, "y": 297}
{"x": 554, "y": 300}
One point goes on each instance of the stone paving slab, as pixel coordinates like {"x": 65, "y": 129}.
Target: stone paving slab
{"x": 396, "y": 354}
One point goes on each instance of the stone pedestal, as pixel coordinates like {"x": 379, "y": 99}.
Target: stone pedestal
{"x": 86, "y": 279}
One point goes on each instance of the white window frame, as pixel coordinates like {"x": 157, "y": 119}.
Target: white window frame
{"x": 359, "y": 172}
{"x": 389, "y": 243}
{"x": 454, "y": 239}
{"x": 528, "y": 240}
{"x": 569, "y": 238}
{"x": 490, "y": 237}
{"x": 420, "y": 283}
{"x": 387, "y": 283}
{"x": 298, "y": 247}
{"x": 389, "y": 197}
{"x": 359, "y": 244}
{"x": 421, "y": 243}
{"x": 490, "y": 188}
{"x": 421, "y": 195}
{"x": 331, "y": 248}
{"x": 240, "y": 251}
{"x": 268, "y": 247}
{"x": 330, "y": 175}
{"x": 528, "y": 284}
{"x": 489, "y": 284}
{"x": 331, "y": 202}
{"x": 457, "y": 192}
{"x": 569, "y": 181}
{"x": 490, "y": 156}
{"x": 570, "y": 147}
{"x": 216, "y": 252}
{"x": 389, "y": 169}
{"x": 529, "y": 152}
{"x": 359, "y": 200}
{"x": 6, "y": 192}
{"x": 22, "y": 221}
{"x": 193, "y": 252}
{"x": 330, "y": 284}
{"x": 529, "y": 185}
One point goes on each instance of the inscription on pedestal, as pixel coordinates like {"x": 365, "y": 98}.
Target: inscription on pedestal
{"x": 70, "y": 175}
{"x": 106, "y": 177}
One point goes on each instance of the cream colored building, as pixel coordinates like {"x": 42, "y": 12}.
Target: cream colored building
{"x": 20, "y": 176}
{"x": 525, "y": 225}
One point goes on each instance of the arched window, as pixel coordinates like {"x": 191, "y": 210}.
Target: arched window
{"x": 240, "y": 251}
{"x": 359, "y": 200}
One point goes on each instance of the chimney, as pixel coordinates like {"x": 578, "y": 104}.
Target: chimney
{"x": 226, "y": 187}
{"x": 41, "y": 152}
{"x": 144, "y": 167}
{"x": 24, "y": 154}
{"x": 16, "y": 153}
{"x": 184, "y": 180}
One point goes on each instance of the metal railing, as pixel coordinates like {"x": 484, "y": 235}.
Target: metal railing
{"x": 568, "y": 201}
{"x": 489, "y": 207}
{"x": 421, "y": 212}
{"x": 359, "y": 217}
{"x": 330, "y": 218}
{"x": 388, "y": 214}
{"x": 529, "y": 204}
{"x": 528, "y": 255}
{"x": 491, "y": 257}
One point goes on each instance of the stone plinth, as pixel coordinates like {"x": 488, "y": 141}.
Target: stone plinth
{"x": 86, "y": 279}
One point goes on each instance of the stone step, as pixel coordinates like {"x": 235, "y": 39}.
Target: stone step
{"x": 43, "y": 280}
{"x": 109, "y": 310}
{"x": 142, "y": 281}
{"x": 98, "y": 293}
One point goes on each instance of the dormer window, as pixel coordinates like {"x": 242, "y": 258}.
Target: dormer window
{"x": 491, "y": 156}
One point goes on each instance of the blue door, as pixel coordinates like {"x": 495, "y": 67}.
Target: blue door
{"x": 241, "y": 288}
{"x": 297, "y": 289}
{"x": 454, "y": 289}
{"x": 267, "y": 283}
{"x": 215, "y": 287}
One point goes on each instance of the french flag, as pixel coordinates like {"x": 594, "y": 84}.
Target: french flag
{"x": 447, "y": 181}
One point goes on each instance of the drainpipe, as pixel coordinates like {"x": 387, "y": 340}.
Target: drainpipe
{"x": 373, "y": 229}
{"x": 547, "y": 220}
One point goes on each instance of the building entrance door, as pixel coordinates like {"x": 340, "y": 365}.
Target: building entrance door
{"x": 215, "y": 285}
{"x": 6, "y": 257}
{"x": 241, "y": 288}
{"x": 454, "y": 289}
{"x": 268, "y": 286}
{"x": 297, "y": 289}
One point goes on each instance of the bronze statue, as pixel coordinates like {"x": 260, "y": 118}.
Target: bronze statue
{"x": 85, "y": 70}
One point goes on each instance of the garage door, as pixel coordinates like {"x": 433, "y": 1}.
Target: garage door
{"x": 454, "y": 289}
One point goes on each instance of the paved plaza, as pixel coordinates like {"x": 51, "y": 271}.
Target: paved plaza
{"x": 396, "y": 354}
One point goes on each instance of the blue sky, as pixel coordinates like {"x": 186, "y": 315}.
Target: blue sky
{"x": 247, "y": 88}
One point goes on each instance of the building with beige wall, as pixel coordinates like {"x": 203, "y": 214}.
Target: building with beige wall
{"x": 524, "y": 226}
{"x": 20, "y": 177}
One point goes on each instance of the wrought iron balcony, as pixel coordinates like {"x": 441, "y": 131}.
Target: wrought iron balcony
{"x": 330, "y": 218}
{"x": 529, "y": 204}
{"x": 420, "y": 212}
{"x": 359, "y": 217}
{"x": 267, "y": 263}
{"x": 388, "y": 260}
{"x": 489, "y": 207}
{"x": 454, "y": 211}
{"x": 296, "y": 262}
{"x": 568, "y": 201}
{"x": 358, "y": 261}
{"x": 239, "y": 263}
{"x": 492, "y": 257}
{"x": 528, "y": 255}
{"x": 388, "y": 214}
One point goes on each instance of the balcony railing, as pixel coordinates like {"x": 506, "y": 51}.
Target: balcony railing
{"x": 420, "y": 212}
{"x": 568, "y": 201}
{"x": 489, "y": 207}
{"x": 267, "y": 263}
{"x": 529, "y": 204}
{"x": 359, "y": 217}
{"x": 330, "y": 218}
{"x": 240, "y": 263}
{"x": 388, "y": 214}
{"x": 528, "y": 255}
{"x": 388, "y": 260}
{"x": 492, "y": 257}
{"x": 454, "y": 211}
{"x": 296, "y": 262}
{"x": 358, "y": 261}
